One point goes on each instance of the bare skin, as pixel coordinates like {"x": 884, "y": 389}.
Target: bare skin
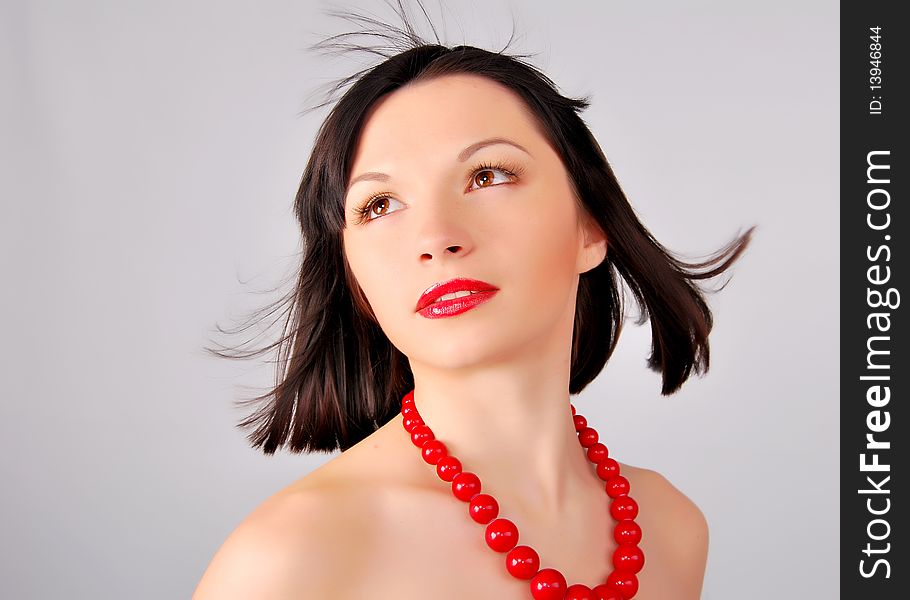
{"x": 376, "y": 522}
{"x": 492, "y": 382}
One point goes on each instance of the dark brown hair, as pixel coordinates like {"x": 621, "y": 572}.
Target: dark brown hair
{"x": 339, "y": 377}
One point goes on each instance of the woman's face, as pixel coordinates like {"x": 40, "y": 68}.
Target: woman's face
{"x": 443, "y": 208}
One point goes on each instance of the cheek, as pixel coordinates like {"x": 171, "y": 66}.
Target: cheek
{"x": 377, "y": 273}
{"x": 543, "y": 250}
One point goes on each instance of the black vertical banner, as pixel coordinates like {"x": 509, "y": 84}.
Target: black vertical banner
{"x": 874, "y": 370}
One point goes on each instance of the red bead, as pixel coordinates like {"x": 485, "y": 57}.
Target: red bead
{"x": 629, "y": 559}
{"x": 465, "y": 485}
{"x": 597, "y": 452}
{"x": 587, "y": 437}
{"x": 624, "y": 583}
{"x": 522, "y": 562}
{"x": 433, "y": 450}
{"x": 421, "y": 435}
{"x": 607, "y": 468}
{"x": 502, "y": 535}
{"x": 411, "y": 421}
{"x": 580, "y": 422}
{"x": 483, "y": 508}
{"x": 624, "y": 508}
{"x": 409, "y": 410}
{"x": 617, "y": 486}
{"x": 605, "y": 592}
{"x": 548, "y": 584}
{"x": 448, "y": 467}
{"x": 573, "y": 409}
{"x": 627, "y": 532}
{"x": 579, "y": 591}
{"x": 409, "y": 397}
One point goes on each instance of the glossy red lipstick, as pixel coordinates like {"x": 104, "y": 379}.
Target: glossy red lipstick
{"x": 432, "y": 306}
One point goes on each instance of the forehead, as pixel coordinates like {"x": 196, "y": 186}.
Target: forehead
{"x": 441, "y": 116}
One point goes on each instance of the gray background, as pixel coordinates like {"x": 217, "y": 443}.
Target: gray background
{"x": 151, "y": 151}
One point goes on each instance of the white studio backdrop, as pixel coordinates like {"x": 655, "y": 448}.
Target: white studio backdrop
{"x": 151, "y": 153}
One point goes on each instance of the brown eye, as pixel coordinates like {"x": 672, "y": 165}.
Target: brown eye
{"x": 375, "y": 207}
{"x": 483, "y": 178}
{"x": 383, "y": 202}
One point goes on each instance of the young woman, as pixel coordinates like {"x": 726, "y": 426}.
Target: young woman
{"x": 464, "y": 243}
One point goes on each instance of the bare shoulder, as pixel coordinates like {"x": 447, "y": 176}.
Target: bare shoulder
{"x": 675, "y": 529}
{"x": 667, "y": 501}
{"x": 293, "y": 542}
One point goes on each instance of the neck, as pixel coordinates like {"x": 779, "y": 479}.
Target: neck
{"x": 513, "y": 428}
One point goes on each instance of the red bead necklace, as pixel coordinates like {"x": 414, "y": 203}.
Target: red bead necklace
{"x": 523, "y": 562}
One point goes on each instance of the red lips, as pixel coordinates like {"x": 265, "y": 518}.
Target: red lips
{"x": 459, "y": 284}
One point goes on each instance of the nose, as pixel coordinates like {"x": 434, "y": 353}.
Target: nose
{"x": 429, "y": 255}
{"x": 444, "y": 233}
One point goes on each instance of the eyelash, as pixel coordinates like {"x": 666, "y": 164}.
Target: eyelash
{"x": 512, "y": 170}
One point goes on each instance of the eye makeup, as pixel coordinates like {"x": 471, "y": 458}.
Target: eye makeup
{"x": 512, "y": 170}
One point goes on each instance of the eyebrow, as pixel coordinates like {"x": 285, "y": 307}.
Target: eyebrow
{"x": 462, "y": 156}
